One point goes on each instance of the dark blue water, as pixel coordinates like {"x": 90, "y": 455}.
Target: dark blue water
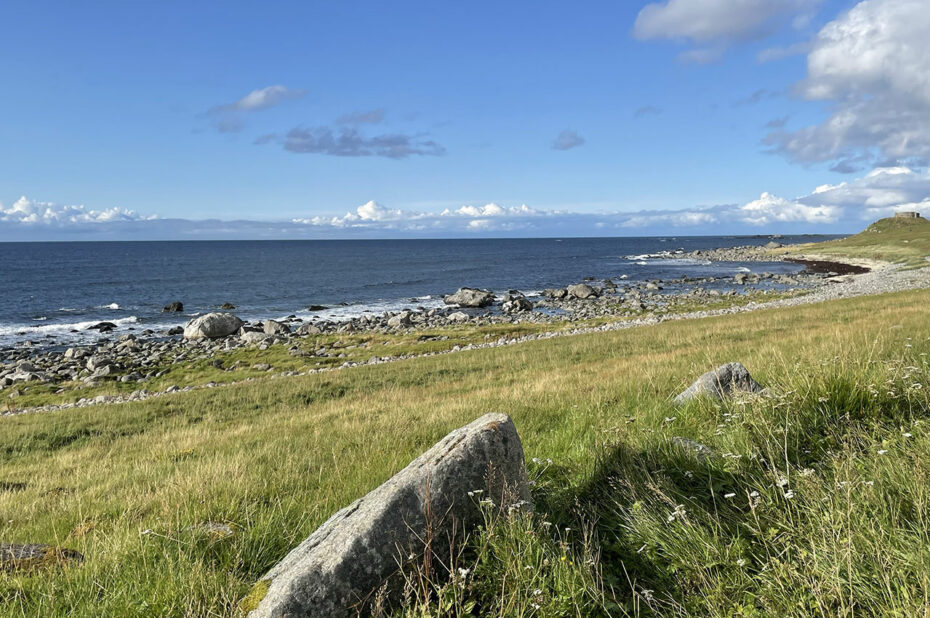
{"x": 50, "y": 289}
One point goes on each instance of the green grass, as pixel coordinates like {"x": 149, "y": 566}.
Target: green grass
{"x": 901, "y": 241}
{"x": 130, "y": 486}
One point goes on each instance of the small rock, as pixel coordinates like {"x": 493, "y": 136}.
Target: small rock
{"x": 15, "y": 557}
{"x": 175, "y": 307}
{"x": 721, "y": 383}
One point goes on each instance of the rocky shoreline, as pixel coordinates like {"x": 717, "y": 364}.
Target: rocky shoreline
{"x": 138, "y": 359}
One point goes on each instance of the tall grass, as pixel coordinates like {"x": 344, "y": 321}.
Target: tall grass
{"x": 133, "y": 487}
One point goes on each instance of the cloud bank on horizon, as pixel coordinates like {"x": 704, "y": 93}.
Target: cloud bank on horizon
{"x": 847, "y": 206}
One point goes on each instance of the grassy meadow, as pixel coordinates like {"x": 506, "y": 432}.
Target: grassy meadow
{"x": 900, "y": 241}
{"x": 815, "y": 502}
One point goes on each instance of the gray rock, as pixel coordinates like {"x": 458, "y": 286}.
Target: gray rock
{"x": 16, "y": 557}
{"x": 459, "y": 317}
{"x": 273, "y": 327}
{"x": 212, "y": 326}
{"x": 582, "y": 291}
{"x": 721, "y": 383}
{"x": 339, "y": 568}
{"x": 470, "y": 297}
{"x": 251, "y": 336}
{"x": 175, "y": 307}
{"x": 96, "y": 362}
{"x": 556, "y": 293}
{"x": 517, "y": 305}
{"x": 309, "y": 329}
{"x": 401, "y": 320}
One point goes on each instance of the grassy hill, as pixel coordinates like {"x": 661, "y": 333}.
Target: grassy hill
{"x": 816, "y": 503}
{"x": 902, "y": 241}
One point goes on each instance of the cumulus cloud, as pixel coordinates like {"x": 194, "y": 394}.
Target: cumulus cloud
{"x": 566, "y": 140}
{"x": 710, "y": 26}
{"x": 870, "y": 65}
{"x": 29, "y": 212}
{"x": 230, "y": 117}
{"x": 845, "y": 206}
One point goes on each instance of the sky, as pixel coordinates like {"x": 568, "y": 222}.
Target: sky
{"x": 210, "y": 120}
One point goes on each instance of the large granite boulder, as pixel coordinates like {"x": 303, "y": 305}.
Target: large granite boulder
{"x": 212, "y": 326}
{"x": 364, "y": 548}
{"x": 582, "y": 291}
{"x": 470, "y": 297}
{"x": 721, "y": 383}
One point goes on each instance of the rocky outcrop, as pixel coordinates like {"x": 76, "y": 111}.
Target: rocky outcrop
{"x": 175, "y": 307}
{"x": 212, "y": 326}
{"x": 361, "y": 550}
{"x": 470, "y": 297}
{"x": 721, "y": 383}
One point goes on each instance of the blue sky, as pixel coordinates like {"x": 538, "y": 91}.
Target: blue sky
{"x": 338, "y": 120}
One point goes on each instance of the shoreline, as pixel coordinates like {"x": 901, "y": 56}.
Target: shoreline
{"x": 631, "y": 306}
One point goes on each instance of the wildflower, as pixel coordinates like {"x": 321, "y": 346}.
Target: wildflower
{"x": 782, "y": 482}
{"x": 882, "y": 451}
{"x": 741, "y": 562}
{"x": 807, "y": 472}
{"x": 754, "y": 494}
{"x": 464, "y": 572}
{"x": 537, "y": 592}
{"x": 869, "y": 483}
{"x": 728, "y": 496}
{"x": 906, "y": 434}
{"x": 475, "y": 492}
{"x": 669, "y": 419}
{"x": 789, "y": 494}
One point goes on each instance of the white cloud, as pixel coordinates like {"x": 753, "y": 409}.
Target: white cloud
{"x": 26, "y": 211}
{"x": 680, "y": 218}
{"x": 230, "y": 117}
{"x": 712, "y": 25}
{"x": 871, "y": 65}
{"x": 771, "y": 208}
{"x": 266, "y": 97}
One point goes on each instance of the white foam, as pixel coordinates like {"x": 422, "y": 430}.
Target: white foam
{"x": 29, "y": 331}
{"x": 112, "y": 306}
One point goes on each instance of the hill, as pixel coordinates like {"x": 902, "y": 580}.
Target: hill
{"x": 896, "y": 240}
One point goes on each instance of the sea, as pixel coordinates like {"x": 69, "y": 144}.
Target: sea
{"x": 52, "y": 292}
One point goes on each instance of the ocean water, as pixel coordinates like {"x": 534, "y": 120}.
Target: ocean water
{"x": 51, "y": 290}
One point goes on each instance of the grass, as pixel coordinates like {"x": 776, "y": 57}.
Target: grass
{"x": 651, "y": 529}
{"x": 900, "y": 241}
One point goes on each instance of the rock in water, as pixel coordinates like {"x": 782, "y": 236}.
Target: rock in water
{"x": 582, "y": 291}
{"x": 721, "y": 383}
{"x": 470, "y": 297}
{"x": 212, "y": 326}
{"x": 175, "y": 307}
{"x": 338, "y": 570}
